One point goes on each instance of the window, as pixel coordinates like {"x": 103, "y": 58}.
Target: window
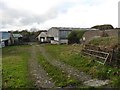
{"x": 64, "y": 34}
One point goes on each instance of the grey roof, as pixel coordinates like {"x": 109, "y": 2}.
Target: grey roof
{"x": 71, "y": 28}
{"x": 68, "y": 28}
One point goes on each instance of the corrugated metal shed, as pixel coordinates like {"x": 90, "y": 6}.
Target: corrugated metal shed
{"x": 5, "y": 36}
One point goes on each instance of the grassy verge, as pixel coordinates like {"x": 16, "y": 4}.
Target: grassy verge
{"x": 15, "y": 67}
{"x": 71, "y": 55}
{"x": 105, "y": 41}
{"x": 59, "y": 77}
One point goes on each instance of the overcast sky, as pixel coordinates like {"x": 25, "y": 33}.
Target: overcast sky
{"x": 43, "y": 14}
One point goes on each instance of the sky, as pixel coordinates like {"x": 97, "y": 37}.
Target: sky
{"x": 44, "y": 14}
{"x": 119, "y": 14}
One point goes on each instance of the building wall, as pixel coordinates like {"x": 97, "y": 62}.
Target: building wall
{"x": 60, "y": 34}
{"x": 63, "y": 34}
{"x": 112, "y": 32}
{"x": 54, "y": 42}
{"x": 42, "y": 35}
{"x": 53, "y": 32}
{"x": 63, "y": 41}
{"x": 56, "y": 38}
{"x": 89, "y": 35}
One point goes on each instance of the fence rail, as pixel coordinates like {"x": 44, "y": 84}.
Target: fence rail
{"x": 98, "y": 53}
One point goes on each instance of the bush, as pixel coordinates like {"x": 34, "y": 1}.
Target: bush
{"x": 75, "y": 36}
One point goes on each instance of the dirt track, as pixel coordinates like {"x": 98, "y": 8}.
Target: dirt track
{"x": 86, "y": 80}
{"x": 40, "y": 76}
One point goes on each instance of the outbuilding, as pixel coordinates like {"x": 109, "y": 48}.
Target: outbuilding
{"x": 42, "y": 37}
{"x": 6, "y": 39}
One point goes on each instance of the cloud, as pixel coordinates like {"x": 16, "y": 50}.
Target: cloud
{"x": 119, "y": 14}
{"x": 85, "y": 15}
{"x": 19, "y": 17}
{"x": 16, "y": 14}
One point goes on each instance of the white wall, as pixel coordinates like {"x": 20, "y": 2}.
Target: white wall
{"x": 56, "y": 38}
{"x": 54, "y": 42}
{"x": 64, "y": 41}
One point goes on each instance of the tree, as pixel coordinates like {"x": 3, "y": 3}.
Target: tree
{"x": 72, "y": 37}
{"x": 75, "y": 36}
{"x": 26, "y": 35}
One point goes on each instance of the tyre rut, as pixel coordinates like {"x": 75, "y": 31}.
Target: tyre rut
{"x": 73, "y": 72}
{"x": 38, "y": 74}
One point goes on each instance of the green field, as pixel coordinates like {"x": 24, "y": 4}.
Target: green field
{"x": 16, "y": 71}
{"x": 59, "y": 77}
{"x": 72, "y": 56}
{"x": 105, "y": 41}
{"x": 15, "y": 67}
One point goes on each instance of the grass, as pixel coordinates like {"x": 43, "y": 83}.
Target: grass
{"x": 15, "y": 67}
{"x": 71, "y": 55}
{"x": 59, "y": 77}
{"x": 105, "y": 41}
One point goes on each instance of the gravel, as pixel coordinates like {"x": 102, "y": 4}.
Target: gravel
{"x": 37, "y": 73}
{"x": 73, "y": 72}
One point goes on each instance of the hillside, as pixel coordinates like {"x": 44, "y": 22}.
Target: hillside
{"x": 108, "y": 42}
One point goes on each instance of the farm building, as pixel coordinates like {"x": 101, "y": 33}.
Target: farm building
{"x": 42, "y": 37}
{"x": 6, "y": 39}
{"x": 17, "y": 38}
{"x": 58, "y": 35}
{"x": 91, "y": 34}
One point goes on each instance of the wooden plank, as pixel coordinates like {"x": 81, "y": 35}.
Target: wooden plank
{"x": 97, "y": 51}
{"x": 89, "y": 50}
{"x": 106, "y": 59}
{"x": 101, "y": 53}
{"x": 95, "y": 55}
{"x": 99, "y": 62}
